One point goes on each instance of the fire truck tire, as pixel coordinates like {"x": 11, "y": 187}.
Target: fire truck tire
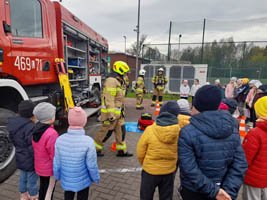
{"x": 7, "y": 156}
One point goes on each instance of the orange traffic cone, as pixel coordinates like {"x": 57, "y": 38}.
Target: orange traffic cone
{"x": 157, "y": 109}
{"x": 113, "y": 147}
{"x": 242, "y": 127}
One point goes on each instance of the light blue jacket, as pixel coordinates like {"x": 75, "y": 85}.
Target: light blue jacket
{"x": 75, "y": 161}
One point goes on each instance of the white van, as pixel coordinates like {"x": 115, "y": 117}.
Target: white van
{"x": 176, "y": 73}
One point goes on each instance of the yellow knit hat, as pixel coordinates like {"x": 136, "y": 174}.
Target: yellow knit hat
{"x": 261, "y": 107}
{"x": 245, "y": 80}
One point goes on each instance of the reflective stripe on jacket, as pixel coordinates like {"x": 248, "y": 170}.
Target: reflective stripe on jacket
{"x": 140, "y": 85}
{"x": 112, "y": 100}
{"x": 159, "y": 82}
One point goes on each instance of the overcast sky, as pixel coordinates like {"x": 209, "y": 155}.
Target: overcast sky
{"x": 114, "y": 19}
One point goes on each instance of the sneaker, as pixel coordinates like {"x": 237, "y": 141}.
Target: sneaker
{"x": 35, "y": 197}
{"x": 152, "y": 105}
{"x": 122, "y": 154}
{"x": 24, "y": 196}
{"x": 99, "y": 154}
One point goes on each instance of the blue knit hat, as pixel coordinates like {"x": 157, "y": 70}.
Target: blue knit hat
{"x": 170, "y": 107}
{"x": 207, "y": 98}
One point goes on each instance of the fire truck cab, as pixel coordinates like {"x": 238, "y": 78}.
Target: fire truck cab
{"x": 46, "y": 54}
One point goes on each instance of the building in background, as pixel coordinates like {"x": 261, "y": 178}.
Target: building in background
{"x": 129, "y": 59}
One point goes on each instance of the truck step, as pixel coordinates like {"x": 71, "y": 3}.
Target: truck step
{"x": 39, "y": 99}
{"x": 90, "y": 111}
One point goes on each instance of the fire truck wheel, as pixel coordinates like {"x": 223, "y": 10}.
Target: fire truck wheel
{"x": 7, "y": 156}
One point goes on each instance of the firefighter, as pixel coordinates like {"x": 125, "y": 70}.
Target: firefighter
{"x": 159, "y": 82}
{"x": 112, "y": 111}
{"x": 140, "y": 90}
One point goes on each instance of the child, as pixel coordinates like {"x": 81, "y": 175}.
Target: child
{"x": 255, "y": 147}
{"x": 184, "y": 114}
{"x": 43, "y": 141}
{"x": 157, "y": 152}
{"x": 211, "y": 159}
{"x": 20, "y": 133}
{"x": 231, "y": 104}
{"x": 75, "y": 161}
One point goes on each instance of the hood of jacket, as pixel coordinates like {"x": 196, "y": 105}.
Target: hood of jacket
{"x": 166, "y": 119}
{"x": 166, "y": 133}
{"x": 217, "y": 124}
{"x": 16, "y": 123}
{"x": 39, "y": 130}
{"x": 262, "y": 125}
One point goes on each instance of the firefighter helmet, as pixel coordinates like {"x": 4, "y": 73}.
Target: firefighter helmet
{"x": 120, "y": 67}
{"x": 142, "y": 72}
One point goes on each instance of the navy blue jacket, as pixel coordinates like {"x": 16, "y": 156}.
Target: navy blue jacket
{"x": 210, "y": 154}
{"x": 20, "y": 133}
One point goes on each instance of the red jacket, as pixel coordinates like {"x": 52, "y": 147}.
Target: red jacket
{"x": 255, "y": 147}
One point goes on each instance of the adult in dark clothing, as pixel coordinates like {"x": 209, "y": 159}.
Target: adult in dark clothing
{"x": 211, "y": 159}
{"x": 232, "y": 105}
{"x": 20, "y": 132}
{"x": 261, "y": 92}
{"x": 242, "y": 93}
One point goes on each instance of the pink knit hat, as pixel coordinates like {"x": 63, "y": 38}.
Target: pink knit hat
{"x": 223, "y": 106}
{"x": 77, "y": 118}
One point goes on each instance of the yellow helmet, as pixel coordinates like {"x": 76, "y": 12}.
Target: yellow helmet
{"x": 120, "y": 67}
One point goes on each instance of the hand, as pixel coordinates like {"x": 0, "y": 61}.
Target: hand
{"x": 222, "y": 195}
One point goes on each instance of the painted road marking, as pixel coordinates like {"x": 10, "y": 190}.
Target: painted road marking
{"x": 123, "y": 170}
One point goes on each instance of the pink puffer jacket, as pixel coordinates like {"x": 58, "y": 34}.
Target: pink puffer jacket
{"x": 44, "y": 139}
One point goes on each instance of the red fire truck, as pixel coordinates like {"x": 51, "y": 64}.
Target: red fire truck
{"x": 46, "y": 54}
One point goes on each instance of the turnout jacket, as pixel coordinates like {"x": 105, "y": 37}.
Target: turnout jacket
{"x": 113, "y": 98}
{"x": 159, "y": 82}
{"x": 140, "y": 85}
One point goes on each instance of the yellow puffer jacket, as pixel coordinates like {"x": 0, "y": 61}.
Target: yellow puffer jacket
{"x": 183, "y": 120}
{"x": 157, "y": 149}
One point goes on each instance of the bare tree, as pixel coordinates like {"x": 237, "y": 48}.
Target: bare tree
{"x": 132, "y": 49}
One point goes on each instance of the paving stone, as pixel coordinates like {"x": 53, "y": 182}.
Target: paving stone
{"x": 113, "y": 186}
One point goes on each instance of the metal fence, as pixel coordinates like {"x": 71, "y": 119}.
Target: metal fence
{"x": 225, "y": 58}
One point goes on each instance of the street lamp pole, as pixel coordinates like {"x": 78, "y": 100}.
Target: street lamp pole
{"x": 137, "y": 42}
{"x": 179, "y": 47}
{"x": 125, "y": 44}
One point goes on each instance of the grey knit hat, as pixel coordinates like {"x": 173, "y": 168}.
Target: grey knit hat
{"x": 184, "y": 105}
{"x": 44, "y": 111}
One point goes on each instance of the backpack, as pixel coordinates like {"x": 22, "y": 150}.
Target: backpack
{"x": 145, "y": 120}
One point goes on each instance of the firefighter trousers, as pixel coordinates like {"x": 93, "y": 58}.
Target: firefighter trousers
{"x": 139, "y": 100}
{"x": 105, "y": 132}
{"x": 157, "y": 93}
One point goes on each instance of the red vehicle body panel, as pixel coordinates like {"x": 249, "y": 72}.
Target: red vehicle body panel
{"x": 45, "y": 49}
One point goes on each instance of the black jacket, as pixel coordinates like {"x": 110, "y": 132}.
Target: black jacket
{"x": 242, "y": 93}
{"x": 20, "y": 133}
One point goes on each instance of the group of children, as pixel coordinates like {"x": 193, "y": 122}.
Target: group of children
{"x": 41, "y": 154}
{"x": 205, "y": 145}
